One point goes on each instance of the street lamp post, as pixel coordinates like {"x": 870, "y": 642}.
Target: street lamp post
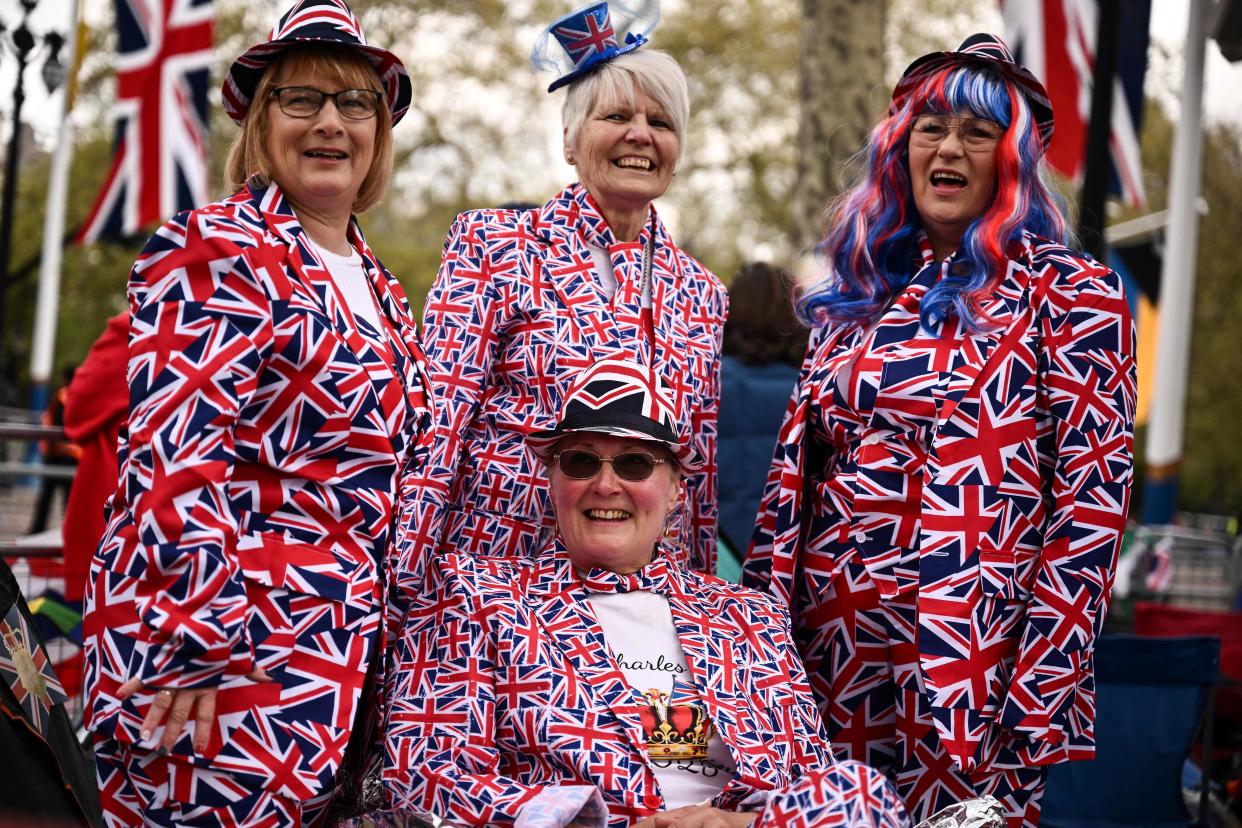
{"x": 23, "y": 43}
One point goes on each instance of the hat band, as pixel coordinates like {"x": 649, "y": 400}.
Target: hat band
{"x": 587, "y": 421}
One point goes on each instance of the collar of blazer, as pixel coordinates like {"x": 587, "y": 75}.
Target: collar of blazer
{"x": 1012, "y": 311}
{"x": 568, "y": 267}
{"x": 306, "y": 275}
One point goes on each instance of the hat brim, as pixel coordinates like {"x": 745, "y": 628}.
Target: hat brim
{"x": 543, "y": 443}
{"x": 243, "y": 76}
{"x": 1027, "y": 83}
{"x": 594, "y": 62}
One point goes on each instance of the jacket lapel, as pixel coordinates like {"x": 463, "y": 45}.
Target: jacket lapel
{"x": 711, "y": 650}
{"x": 1009, "y": 309}
{"x": 568, "y": 266}
{"x": 557, "y": 599}
{"x": 310, "y": 278}
{"x": 672, "y": 329}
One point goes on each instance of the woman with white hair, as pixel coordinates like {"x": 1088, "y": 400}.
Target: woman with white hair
{"x": 525, "y": 299}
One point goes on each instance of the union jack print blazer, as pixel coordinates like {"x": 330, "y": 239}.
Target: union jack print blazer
{"x": 516, "y": 313}
{"x": 505, "y": 702}
{"x": 1021, "y": 499}
{"x": 258, "y": 496}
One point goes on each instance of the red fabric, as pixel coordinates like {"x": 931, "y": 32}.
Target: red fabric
{"x": 1164, "y": 620}
{"x": 95, "y": 409}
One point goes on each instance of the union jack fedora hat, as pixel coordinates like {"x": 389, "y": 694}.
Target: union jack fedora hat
{"x": 585, "y": 39}
{"x": 985, "y": 51}
{"x": 314, "y": 22}
{"x": 623, "y": 399}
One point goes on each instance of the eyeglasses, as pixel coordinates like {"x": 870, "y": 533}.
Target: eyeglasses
{"x": 306, "y": 101}
{"x": 581, "y": 464}
{"x": 974, "y": 133}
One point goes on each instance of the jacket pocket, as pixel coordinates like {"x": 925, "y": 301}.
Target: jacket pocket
{"x": 1009, "y": 555}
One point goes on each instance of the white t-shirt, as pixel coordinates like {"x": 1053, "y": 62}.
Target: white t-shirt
{"x": 638, "y": 627}
{"x": 351, "y": 279}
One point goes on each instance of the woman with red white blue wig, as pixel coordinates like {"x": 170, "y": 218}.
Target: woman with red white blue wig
{"x": 525, "y": 299}
{"x": 948, "y": 493}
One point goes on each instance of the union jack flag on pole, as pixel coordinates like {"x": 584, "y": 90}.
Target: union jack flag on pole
{"x": 160, "y": 163}
{"x": 1055, "y": 39}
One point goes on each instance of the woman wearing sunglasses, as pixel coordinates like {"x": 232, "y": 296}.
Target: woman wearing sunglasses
{"x": 276, "y": 391}
{"x": 949, "y": 490}
{"x": 598, "y": 683}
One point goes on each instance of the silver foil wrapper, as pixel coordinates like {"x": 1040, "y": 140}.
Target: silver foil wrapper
{"x": 984, "y": 812}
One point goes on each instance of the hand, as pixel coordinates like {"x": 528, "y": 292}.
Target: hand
{"x": 697, "y": 816}
{"x": 177, "y": 706}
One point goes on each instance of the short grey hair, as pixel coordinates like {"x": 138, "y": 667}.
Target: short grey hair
{"x": 652, "y": 71}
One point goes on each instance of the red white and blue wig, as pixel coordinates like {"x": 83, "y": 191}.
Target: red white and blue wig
{"x": 872, "y": 247}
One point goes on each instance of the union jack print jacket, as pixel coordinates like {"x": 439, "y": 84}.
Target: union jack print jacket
{"x": 515, "y": 314}
{"x": 506, "y": 704}
{"x": 258, "y": 491}
{"x": 1020, "y": 499}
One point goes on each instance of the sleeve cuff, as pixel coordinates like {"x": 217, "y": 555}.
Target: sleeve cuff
{"x": 579, "y": 806}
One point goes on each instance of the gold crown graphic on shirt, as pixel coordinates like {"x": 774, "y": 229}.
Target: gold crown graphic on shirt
{"x": 674, "y": 731}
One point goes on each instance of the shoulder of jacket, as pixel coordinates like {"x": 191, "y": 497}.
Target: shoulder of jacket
{"x": 1064, "y": 267}
{"x": 717, "y": 591}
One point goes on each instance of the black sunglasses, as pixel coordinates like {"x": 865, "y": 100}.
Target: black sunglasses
{"x": 581, "y": 464}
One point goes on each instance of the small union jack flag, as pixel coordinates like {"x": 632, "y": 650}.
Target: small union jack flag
{"x": 586, "y": 34}
{"x": 24, "y": 667}
{"x": 159, "y": 167}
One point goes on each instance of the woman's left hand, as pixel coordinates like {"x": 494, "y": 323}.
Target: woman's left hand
{"x": 697, "y": 816}
{"x": 179, "y": 706}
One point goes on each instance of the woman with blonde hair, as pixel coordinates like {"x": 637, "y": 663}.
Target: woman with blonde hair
{"x": 236, "y": 606}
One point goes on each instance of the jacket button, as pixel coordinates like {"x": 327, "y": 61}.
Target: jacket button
{"x": 652, "y": 800}
{"x": 871, "y": 439}
{"x": 860, "y": 537}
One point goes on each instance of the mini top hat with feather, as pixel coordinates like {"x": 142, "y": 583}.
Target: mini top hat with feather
{"x": 585, "y": 39}
{"x": 623, "y": 399}
{"x": 985, "y": 51}
{"x": 314, "y": 22}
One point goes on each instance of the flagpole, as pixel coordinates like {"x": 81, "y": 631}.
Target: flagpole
{"x": 1177, "y": 284}
{"x": 47, "y": 302}
{"x": 1097, "y": 164}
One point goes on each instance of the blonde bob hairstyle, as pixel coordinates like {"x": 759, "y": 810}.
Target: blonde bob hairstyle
{"x": 652, "y": 71}
{"x": 248, "y": 158}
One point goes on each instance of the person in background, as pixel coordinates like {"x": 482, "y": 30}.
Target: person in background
{"x": 96, "y": 407}
{"x": 525, "y": 299}
{"x": 950, "y": 486}
{"x": 56, "y": 452}
{"x": 598, "y": 683}
{"x": 235, "y": 618}
{"x": 763, "y": 346}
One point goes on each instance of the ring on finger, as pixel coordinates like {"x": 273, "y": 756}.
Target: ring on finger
{"x": 165, "y": 694}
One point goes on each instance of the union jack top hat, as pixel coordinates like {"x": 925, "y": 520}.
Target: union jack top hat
{"x": 322, "y": 23}
{"x": 624, "y": 399}
{"x": 585, "y": 39}
{"x": 982, "y": 51}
